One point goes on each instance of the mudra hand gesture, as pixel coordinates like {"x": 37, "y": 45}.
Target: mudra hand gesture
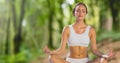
{"x": 46, "y": 50}
{"x": 107, "y": 56}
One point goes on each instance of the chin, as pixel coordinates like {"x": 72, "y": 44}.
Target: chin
{"x": 81, "y": 18}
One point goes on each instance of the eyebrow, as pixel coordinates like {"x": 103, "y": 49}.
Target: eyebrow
{"x": 81, "y": 9}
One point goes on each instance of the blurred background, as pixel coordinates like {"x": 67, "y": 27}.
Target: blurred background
{"x": 26, "y": 26}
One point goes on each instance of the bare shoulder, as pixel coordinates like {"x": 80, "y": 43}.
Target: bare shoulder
{"x": 92, "y": 29}
{"x": 66, "y": 28}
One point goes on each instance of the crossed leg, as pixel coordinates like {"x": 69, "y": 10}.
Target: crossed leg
{"x": 58, "y": 59}
{"x": 98, "y": 61}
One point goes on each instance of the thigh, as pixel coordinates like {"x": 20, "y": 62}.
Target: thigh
{"x": 97, "y": 60}
{"x": 57, "y": 59}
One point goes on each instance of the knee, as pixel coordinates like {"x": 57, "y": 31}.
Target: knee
{"x": 67, "y": 62}
{"x": 52, "y": 57}
{"x": 105, "y": 61}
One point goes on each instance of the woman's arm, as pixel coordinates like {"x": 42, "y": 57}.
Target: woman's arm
{"x": 92, "y": 35}
{"x": 64, "y": 39}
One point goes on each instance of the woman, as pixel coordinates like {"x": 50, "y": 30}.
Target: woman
{"x": 78, "y": 36}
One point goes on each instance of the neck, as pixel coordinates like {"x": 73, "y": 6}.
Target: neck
{"x": 80, "y": 23}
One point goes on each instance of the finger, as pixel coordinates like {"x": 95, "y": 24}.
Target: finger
{"x": 45, "y": 49}
{"x": 110, "y": 52}
{"x": 113, "y": 54}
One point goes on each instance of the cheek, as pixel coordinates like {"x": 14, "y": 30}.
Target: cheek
{"x": 77, "y": 14}
{"x": 84, "y": 14}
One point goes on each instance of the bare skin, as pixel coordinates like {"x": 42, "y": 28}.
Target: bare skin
{"x": 76, "y": 51}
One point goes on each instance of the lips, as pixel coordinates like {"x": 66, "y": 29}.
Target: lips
{"x": 80, "y": 16}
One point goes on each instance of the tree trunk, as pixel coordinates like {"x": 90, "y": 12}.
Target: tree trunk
{"x": 60, "y": 20}
{"x": 105, "y": 22}
{"x": 18, "y": 37}
{"x": 114, "y": 11}
{"x": 7, "y": 37}
{"x": 14, "y": 14}
{"x": 51, "y": 9}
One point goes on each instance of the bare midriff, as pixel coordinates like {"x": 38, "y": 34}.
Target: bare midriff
{"x": 78, "y": 52}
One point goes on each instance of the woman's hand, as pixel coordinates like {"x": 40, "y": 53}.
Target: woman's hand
{"x": 46, "y": 50}
{"x": 106, "y": 57}
{"x": 110, "y": 54}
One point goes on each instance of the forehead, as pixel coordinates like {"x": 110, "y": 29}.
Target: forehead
{"x": 80, "y": 7}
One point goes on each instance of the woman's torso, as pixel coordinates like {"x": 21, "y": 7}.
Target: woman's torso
{"x": 78, "y": 43}
{"x": 78, "y": 52}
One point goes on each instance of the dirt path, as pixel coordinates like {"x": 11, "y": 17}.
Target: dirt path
{"x": 115, "y": 46}
{"x": 104, "y": 46}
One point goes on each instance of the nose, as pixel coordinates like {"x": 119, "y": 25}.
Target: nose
{"x": 80, "y": 12}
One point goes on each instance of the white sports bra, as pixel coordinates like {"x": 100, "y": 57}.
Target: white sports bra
{"x": 78, "y": 39}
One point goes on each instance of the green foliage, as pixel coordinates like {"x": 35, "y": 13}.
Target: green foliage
{"x": 35, "y": 32}
{"x": 112, "y": 35}
{"x": 92, "y": 56}
{"x": 20, "y": 57}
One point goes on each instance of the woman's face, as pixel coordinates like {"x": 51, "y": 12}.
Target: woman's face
{"x": 80, "y": 12}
